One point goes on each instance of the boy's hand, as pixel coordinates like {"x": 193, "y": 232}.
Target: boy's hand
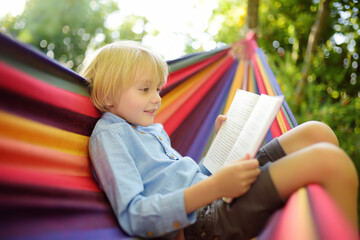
{"x": 219, "y": 121}
{"x": 236, "y": 177}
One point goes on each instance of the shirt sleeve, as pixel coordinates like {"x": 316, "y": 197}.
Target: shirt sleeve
{"x": 138, "y": 215}
{"x": 203, "y": 169}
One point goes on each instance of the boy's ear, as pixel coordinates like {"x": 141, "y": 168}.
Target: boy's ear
{"x": 109, "y": 102}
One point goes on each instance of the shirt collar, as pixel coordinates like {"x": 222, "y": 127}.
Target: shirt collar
{"x": 112, "y": 118}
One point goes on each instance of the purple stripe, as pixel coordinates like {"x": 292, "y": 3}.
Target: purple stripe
{"x": 33, "y": 57}
{"x": 276, "y": 85}
{"x": 39, "y": 211}
{"x": 47, "y": 114}
{"x": 270, "y": 228}
{"x": 103, "y": 234}
{"x": 184, "y": 136}
{"x": 207, "y": 126}
{"x": 269, "y": 136}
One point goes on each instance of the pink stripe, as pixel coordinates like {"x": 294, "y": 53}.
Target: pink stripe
{"x": 29, "y": 86}
{"x": 183, "y": 73}
{"x": 330, "y": 221}
{"x": 37, "y": 178}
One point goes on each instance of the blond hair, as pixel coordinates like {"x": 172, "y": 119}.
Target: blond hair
{"x": 115, "y": 67}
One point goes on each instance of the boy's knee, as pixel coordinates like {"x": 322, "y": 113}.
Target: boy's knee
{"x": 334, "y": 161}
{"x": 319, "y": 132}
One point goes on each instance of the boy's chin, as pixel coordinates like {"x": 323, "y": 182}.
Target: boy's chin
{"x": 146, "y": 123}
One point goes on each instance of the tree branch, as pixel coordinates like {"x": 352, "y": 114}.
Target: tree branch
{"x": 312, "y": 43}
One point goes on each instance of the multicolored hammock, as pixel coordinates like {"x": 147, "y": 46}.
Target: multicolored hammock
{"x": 47, "y": 190}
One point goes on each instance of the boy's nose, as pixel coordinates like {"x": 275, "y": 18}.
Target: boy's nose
{"x": 156, "y": 98}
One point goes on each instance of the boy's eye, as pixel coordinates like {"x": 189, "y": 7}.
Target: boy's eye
{"x": 144, "y": 89}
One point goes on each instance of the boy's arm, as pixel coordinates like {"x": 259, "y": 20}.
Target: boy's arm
{"x": 124, "y": 188}
{"x": 211, "y": 188}
{"x": 232, "y": 180}
{"x": 200, "y": 195}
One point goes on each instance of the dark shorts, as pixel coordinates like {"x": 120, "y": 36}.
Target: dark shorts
{"x": 245, "y": 216}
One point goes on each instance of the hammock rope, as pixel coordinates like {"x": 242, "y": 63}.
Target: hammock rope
{"x": 47, "y": 189}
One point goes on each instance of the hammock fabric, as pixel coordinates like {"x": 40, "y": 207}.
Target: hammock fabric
{"x": 47, "y": 189}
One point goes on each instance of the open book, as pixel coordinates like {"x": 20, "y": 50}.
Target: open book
{"x": 248, "y": 120}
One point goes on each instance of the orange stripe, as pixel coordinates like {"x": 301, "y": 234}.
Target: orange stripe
{"x": 28, "y": 156}
{"x": 16, "y": 127}
{"x": 296, "y": 221}
{"x": 236, "y": 84}
{"x": 11, "y": 175}
{"x": 172, "y": 101}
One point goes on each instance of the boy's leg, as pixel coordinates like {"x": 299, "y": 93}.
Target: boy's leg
{"x": 244, "y": 217}
{"x": 321, "y": 163}
{"x": 295, "y": 139}
{"x": 307, "y": 134}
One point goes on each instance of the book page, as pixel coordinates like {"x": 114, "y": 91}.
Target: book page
{"x": 256, "y": 127}
{"x": 237, "y": 116}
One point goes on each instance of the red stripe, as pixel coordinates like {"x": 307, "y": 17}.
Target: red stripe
{"x": 175, "y": 120}
{"x": 259, "y": 80}
{"x": 330, "y": 221}
{"x": 37, "y": 178}
{"x": 275, "y": 127}
{"x": 185, "y": 72}
{"x": 27, "y": 85}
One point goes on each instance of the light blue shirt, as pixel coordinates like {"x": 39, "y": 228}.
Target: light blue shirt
{"x": 143, "y": 177}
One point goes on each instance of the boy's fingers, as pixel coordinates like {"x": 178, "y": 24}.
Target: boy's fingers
{"x": 222, "y": 118}
{"x": 248, "y": 164}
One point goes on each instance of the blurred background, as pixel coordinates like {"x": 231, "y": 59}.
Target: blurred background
{"x": 312, "y": 46}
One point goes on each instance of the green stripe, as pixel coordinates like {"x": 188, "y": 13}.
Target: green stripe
{"x": 287, "y": 116}
{"x": 69, "y": 84}
{"x": 194, "y": 59}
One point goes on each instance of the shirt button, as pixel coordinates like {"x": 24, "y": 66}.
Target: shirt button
{"x": 176, "y": 225}
{"x": 133, "y": 126}
{"x": 149, "y": 234}
{"x": 142, "y": 132}
{"x": 172, "y": 156}
{"x": 160, "y": 138}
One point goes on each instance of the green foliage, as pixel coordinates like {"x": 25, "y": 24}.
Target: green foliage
{"x": 126, "y": 29}
{"x": 231, "y": 15}
{"x": 64, "y": 30}
{"x": 332, "y": 91}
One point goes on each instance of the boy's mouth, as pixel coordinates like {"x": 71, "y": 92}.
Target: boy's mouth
{"x": 151, "y": 111}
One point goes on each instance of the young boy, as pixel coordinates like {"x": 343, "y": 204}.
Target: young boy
{"x": 156, "y": 192}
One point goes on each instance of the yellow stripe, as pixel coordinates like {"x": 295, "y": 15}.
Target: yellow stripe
{"x": 304, "y": 211}
{"x": 15, "y": 127}
{"x": 270, "y": 91}
{"x": 179, "y": 91}
{"x": 236, "y": 84}
{"x": 281, "y": 122}
{"x": 264, "y": 76}
{"x": 250, "y": 84}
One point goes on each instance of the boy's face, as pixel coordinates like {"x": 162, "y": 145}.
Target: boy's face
{"x": 138, "y": 104}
